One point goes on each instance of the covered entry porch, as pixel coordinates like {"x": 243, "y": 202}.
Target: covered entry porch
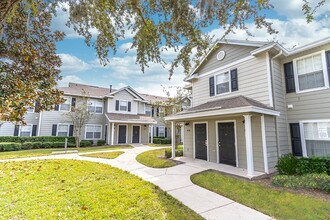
{"x": 240, "y": 137}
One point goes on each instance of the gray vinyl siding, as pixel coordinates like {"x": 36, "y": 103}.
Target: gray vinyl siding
{"x": 271, "y": 142}
{"x": 252, "y": 83}
{"x": 124, "y": 96}
{"x": 233, "y": 53}
{"x": 7, "y": 129}
{"x": 307, "y": 105}
{"x": 241, "y": 144}
{"x": 144, "y": 133}
{"x": 280, "y": 105}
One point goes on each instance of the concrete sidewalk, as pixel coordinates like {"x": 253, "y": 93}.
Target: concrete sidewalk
{"x": 176, "y": 181}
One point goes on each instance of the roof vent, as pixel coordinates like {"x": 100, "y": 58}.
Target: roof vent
{"x": 221, "y": 55}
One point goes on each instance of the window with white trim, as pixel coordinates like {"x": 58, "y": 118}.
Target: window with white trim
{"x": 30, "y": 109}
{"x": 25, "y": 131}
{"x": 66, "y": 106}
{"x": 63, "y": 130}
{"x": 310, "y": 72}
{"x": 161, "y": 131}
{"x": 93, "y": 132}
{"x": 317, "y": 138}
{"x": 222, "y": 83}
{"x": 95, "y": 106}
{"x": 123, "y": 106}
{"x": 148, "y": 110}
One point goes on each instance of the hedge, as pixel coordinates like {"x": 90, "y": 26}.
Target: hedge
{"x": 10, "y": 146}
{"x": 308, "y": 181}
{"x": 100, "y": 142}
{"x": 16, "y": 139}
{"x": 178, "y": 152}
{"x": 291, "y": 165}
{"x": 162, "y": 141}
{"x": 86, "y": 143}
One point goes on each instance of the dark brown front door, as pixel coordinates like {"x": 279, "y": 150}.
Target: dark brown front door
{"x": 201, "y": 141}
{"x": 122, "y": 134}
{"x": 136, "y": 134}
{"x": 226, "y": 143}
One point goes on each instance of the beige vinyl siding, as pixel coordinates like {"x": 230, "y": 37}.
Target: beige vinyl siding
{"x": 252, "y": 83}
{"x": 124, "y": 96}
{"x": 280, "y": 105}
{"x": 271, "y": 142}
{"x": 233, "y": 53}
{"x": 144, "y": 133}
{"x": 240, "y": 134}
{"x": 307, "y": 105}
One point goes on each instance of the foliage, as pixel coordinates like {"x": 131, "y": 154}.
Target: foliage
{"x": 106, "y": 155}
{"x": 28, "y": 145}
{"x": 162, "y": 141}
{"x": 36, "y": 139}
{"x": 178, "y": 153}
{"x": 86, "y": 143}
{"x": 309, "y": 181}
{"x": 100, "y": 142}
{"x": 155, "y": 159}
{"x": 291, "y": 165}
{"x": 79, "y": 116}
{"x": 276, "y": 203}
{"x": 10, "y": 146}
{"x": 29, "y": 65}
{"x": 68, "y": 189}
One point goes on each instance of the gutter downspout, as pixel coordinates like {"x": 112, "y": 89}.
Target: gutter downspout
{"x": 274, "y": 100}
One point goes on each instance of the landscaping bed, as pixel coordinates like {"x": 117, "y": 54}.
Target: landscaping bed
{"x": 276, "y": 202}
{"x": 67, "y": 189}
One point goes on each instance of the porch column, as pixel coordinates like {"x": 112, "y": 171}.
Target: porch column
{"x": 109, "y": 133}
{"x": 264, "y": 143}
{"x": 112, "y": 133}
{"x": 248, "y": 140}
{"x": 152, "y": 134}
{"x": 173, "y": 138}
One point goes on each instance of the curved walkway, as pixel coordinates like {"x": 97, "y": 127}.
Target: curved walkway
{"x": 175, "y": 181}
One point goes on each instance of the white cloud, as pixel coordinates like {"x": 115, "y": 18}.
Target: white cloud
{"x": 293, "y": 32}
{"x": 73, "y": 64}
{"x": 71, "y": 78}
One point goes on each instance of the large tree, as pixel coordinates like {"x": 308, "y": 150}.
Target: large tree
{"x": 156, "y": 25}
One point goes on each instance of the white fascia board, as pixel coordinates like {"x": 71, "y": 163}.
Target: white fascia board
{"x": 276, "y": 46}
{"x": 252, "y": 109}
{"x": 133, "y": 122}
{"x": 312, "y": 45}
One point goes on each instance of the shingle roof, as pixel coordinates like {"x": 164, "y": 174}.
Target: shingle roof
{"x": 227, "y": 103}
{"x": 143, "y": 119}
{"x": 154, "y": 98}
{"x": 81, "y": 89}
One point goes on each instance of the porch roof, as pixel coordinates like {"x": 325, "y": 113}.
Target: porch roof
{"x": 232, "y": 105}
{"x": 129, "y": 118}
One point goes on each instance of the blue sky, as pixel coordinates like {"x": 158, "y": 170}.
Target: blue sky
{"x": 80, "y": 62}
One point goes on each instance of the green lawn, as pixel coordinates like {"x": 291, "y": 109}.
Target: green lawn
{"x": 273, "y": 202}
{"x": 155, "y": 159}
{"x": 67, "y": 189}
{"x": 46, "y": 152}
{"x": 105, "y": 155}
{"x": 159, "y": 145}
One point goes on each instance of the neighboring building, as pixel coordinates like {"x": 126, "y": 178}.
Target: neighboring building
{"x": 255, "y": 101}
{"x": 120, "y": 116}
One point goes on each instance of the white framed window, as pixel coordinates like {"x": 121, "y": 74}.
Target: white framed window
{"x": 310, "y": 72}
{"x": 66, "y": 106}
{"x": 148, "y": 110}
{"x": 95, "y": 106}
{"x": 316, "y": 138}
{"x": 161, "y": 111}
{"x": 93, "y": 132}
{"x": 63, "y": 130}
{"x": 222, "y": 83}
{"x": 161, "y": 131}
{"x": 123, "y": 106}
{"x": 25, "y": 131}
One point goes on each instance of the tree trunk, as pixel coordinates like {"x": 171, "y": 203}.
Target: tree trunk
{"x": 77, "y": 141}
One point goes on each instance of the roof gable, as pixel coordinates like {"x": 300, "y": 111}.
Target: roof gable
{"x": 130, "y": 90}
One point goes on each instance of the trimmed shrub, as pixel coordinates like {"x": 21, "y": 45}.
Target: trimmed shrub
{"x": 4, "y": 139}
{"x": 178, "y": 152}
{"x": 86, "y": 143}
{"x": 100, "y": 142}
{"x": 10, "y": 146}
{"x": 291, "y": 165}
{"x": 47, "y": 145}
{"x": 27, "y": 145}
{"x": 308, "y": 181}
{"x": 162, "y": 141}
{"x": 35, "y": 139}
{"x": 37, "y": 145}
{"x": 287, "y": 164}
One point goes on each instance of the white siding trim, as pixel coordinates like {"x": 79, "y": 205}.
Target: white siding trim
{"x": 173, "y": 139}
{"x": 249, "y": 144}
{"x": 264, "y": 143}
{"x": 269, "y": 81}
{"x": 112, "y": 133}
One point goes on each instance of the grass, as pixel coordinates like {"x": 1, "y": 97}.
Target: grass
{"x": 105, "y": 155}
{"x": 159, "y": 145}
{"x": 273, "y": 202}
{"x": 48, "y": 151}
{"x": 67, "y": 189}
{"x": 155, "y": 159}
